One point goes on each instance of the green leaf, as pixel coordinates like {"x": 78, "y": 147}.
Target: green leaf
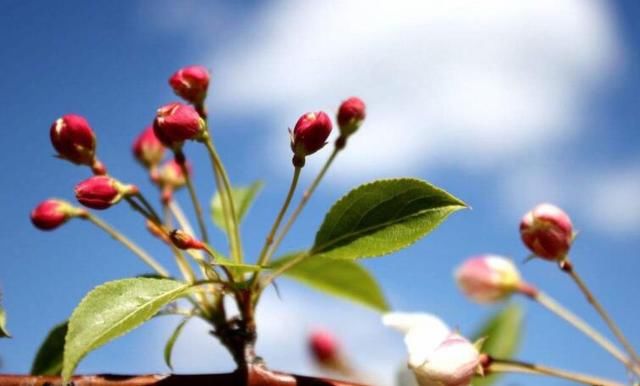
{"x": 4, "y": 333}
{"x": 382, "y": 217}
{"x": 48, "y": 360}
{"x": 503, "y": 332}
{"x": 112, "y": 310}
{"x": 343, "y": 278}
{"x": 242, "y": 197}
{"x": 168, "y": 349}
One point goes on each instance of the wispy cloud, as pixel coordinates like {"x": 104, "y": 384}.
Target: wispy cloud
{"x": 457, "y": 83}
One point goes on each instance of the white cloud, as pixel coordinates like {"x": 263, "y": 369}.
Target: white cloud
{"x": 613, "y": 201}
{"x": 606, "y": 197}
{"x": 463, "y": 83}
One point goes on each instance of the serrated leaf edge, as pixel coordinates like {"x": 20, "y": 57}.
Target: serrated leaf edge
{"x": 68, "y": 372}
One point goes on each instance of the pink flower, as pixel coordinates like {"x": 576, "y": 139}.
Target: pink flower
{"x": 52, "y": 213}
{"x": 73, "y": 139}
{"x": 488, "y": 278}
{"x": 100, "y": 192}
{"x": 148, "y": 149}
{"x": 176, "y": 123}
{"x": 437, "y": 356}
{"x": 350, "y": 115}
{"x": 191, "y": 83}
{"x": 310, "y": 133}
{"x": 453, "y": 363}
{"x": 547, "y": 231}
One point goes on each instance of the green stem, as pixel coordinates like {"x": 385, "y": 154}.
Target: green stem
{"x": 192, "y": 195}
{"x": 511, "y": 366}
{"x": 305, "y": 198}
{"x": 567, "y": 267}
{"x": 225, "y": 190}
{"x": 263, "y": 258}
{"x": 136, "y": 207}
{"x": 144, "y": 256}
{"x": 553, "y": 306}
{"x": 281, "y": 269}
{"x": 148, "y": 207}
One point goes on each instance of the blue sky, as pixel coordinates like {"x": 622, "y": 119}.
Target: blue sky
{"x": 503, "y": 104}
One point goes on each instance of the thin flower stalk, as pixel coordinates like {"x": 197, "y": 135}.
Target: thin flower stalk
{"x": 141, "y": 253}
{"x": 512, "y": 366}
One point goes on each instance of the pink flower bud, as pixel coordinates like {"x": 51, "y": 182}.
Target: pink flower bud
{"x": 488, "y": 278}
{"x": 453, "y": 363}
{"x": 52, "y": 213}
{"x": 184, "y": 240}
{"x": 350, "y": 115}
{"x": 547, "y": 231}
{"x": 100, "y": 192}
{"x": 148, "y": 149}
{"x": 73, "y": 139}
{"x": 310, "y": 134}
{"x": 176, "y": 123}
{"x": 191, "y": 83}
{"x": 323, "y": 346}
{"x": 170, "y": 175}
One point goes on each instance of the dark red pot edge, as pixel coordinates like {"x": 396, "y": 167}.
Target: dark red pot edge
{"x": 255, "y": 378}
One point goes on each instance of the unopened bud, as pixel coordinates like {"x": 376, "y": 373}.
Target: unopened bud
{"x": 148, "y": 149}
{"x": 351, "y": 114}
{"x": 170, "y": 175}
{"x": 323, "y": 346}
{"x": 547, "y": 231}
{"x": 52, "y": 213}
{"x": 327, "y": 354}
{"x": 489, "y": 278}
{"x": 74, "y": 140}
{"x": 310, "y": 134}
{"x": 176, "y": 123}
{"x": 183, "y": 240}
{"x": 100, "y": 192}
{"x": 191, "y": 83}
{"x": 454, "y": 362}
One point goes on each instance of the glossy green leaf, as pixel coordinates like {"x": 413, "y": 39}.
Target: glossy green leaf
{"x": 503, "y": 332}
{"x": 112, "y": 310}
{"x": 382, "y": 217}
{"x": 48, "y": 360}
{"x": 168, "y": 348}
{"x": 242, "y": 197}
{"x": 343, "y": 278}
{"x": 4, "y": 333}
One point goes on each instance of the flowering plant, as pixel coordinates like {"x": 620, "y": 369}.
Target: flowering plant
{"x": 374, "y": 219}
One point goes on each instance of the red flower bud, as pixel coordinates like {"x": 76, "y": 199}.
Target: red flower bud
{"x": 323, "y": 346}
{"x": 100, "y": 192}
{"x": 73, "y": 139}
{"x": 52, "y": 213}
{"x": 547, "y": 231}
{"x": 310, "y": 134}
{"x": 148, "y": 149}
{"x": 191, "y": 83}
{"x": 184, "y": 240}
{"x": 176, "y": 123}
{"x": 350, "y": 115}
